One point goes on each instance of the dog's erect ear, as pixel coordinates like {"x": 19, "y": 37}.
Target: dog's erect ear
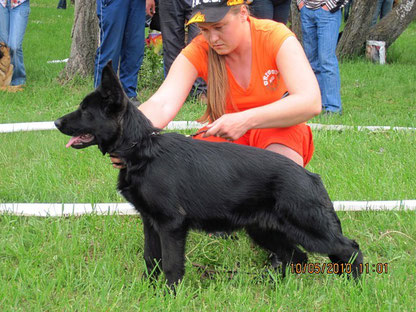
{"x": 111, "y": 89}
{"x": 2, "y": 44}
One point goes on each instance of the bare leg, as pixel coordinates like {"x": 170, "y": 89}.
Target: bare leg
{"x": 286, "y": 151}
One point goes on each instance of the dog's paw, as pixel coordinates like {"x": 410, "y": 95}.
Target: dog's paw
{"x": 12, "y": 89}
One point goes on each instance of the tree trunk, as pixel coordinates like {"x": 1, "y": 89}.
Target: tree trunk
{"x": 84, "y": 41}
{"x": 295, "y": 25}
{"x": 356, "y": 29}
{"x": 391, "y": 26}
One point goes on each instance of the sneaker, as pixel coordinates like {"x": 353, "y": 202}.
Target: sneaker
{"x": 328, "y": 113}
{"x": 135, "y": 101}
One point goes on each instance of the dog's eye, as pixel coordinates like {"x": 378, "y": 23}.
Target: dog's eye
{"x": 87, "y": 114}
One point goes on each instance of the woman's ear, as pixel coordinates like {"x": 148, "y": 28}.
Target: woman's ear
{"x": 244, "y": 13}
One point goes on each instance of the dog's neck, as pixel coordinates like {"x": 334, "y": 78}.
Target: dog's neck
{"x": 136, "y": 138}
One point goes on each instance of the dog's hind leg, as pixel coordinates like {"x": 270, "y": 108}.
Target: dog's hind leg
{"x": 279, "y": 244}
{"x": 320, "y": 231}
{"x": 173, "y": 254}
{"x": 152, "y": 249}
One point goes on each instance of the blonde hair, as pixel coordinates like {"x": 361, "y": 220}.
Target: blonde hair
{"x": 217, "y": 84}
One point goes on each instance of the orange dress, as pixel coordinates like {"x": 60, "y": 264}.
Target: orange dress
{"x": 266, "y": 86}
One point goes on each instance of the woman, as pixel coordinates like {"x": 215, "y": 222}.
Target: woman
{"x": 14, "y": 15}
{"x": 249, "y": 65}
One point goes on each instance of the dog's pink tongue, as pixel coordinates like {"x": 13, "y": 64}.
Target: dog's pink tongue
{"x": 72, "y": 140}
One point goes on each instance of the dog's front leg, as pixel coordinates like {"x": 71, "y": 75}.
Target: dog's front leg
{"x": 152, "y": 249}
{"x": 173, "y": 254}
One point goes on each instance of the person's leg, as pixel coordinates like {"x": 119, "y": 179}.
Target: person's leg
{"x": 132, "y": 49}
{"x": 262, "y": 9}
{"x": 4, "y": 23}
{"x": 281, "y": 11}
{"x": 112, "y": 15}
{"x": 386, "y": 8}
{"x": 62, "y": 4}
{"x": 310, "y": 40}
{"x": 18, "y": 21}
{"x": 377, "y": 11}
{"x": 347, "y": 10}
{"x": 286, "y": 151}
{"x": 330, "y": 82}
{"x": 172, "y": 24}
{"x": 296, "y": 142}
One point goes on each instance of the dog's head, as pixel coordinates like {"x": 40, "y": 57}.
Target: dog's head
{"x": 97, "y": 120}
{"x": 4, "y": 50}
{"x": 3, "y": 47}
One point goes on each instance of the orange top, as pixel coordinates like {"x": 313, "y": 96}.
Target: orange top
{"x": 266, "y": 84}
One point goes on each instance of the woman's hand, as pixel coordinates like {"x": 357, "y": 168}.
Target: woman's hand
{"x": 229, "y": 126}
{"x": 117, "y": 162}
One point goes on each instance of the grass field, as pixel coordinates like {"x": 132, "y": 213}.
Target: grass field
{"x": 94, "y": 263}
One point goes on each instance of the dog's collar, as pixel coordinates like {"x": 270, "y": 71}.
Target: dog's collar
{"x": 134, "y": 144}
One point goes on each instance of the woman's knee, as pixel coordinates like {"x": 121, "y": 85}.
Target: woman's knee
{"x": 287, "y": 152}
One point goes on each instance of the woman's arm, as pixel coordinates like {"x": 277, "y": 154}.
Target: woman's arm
{"x": 303, "y": 102}
{"x": 163, "y": 106}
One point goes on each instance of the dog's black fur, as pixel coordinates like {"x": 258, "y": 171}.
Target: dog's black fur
{"x": 178, "y": 183}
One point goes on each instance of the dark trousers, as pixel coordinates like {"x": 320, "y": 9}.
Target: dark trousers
{"x": 277, "y": 10}
{"x": 173, "y": 14}
{"x": 61, "y": 4}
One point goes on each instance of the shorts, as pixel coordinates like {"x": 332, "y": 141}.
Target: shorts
{"x": 298, "y": 138}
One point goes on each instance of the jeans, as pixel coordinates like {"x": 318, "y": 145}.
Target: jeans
{"x": 62, "y": 4}
{"x": 13, "y": 24}
{"x": 320, "y": 30}
{"x": 383, "y": 8}
{"x": 277, "y": 10}
{"x": 122, "y": 25}
{"x": 347, "y": 9}
{"x": 173, "y": 14}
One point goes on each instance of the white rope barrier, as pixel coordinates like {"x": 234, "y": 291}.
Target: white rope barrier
{"x": 49, "y": 125}
{"x": 77, "y": 209}
{"x": 187, "y": 125}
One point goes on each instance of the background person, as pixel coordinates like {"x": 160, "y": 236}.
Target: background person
{"x": 173, "y": 16}
{"x": 383, "y": 8}
{"x": 277, "y": 10}
{"x": 321, "y": 20}
{"x": 122, "y": 25}
{"x": 14, "y": 16}
{"x": 62, "y": 4}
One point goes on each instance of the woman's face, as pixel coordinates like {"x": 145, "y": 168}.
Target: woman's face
{"x": 223, "y": 36}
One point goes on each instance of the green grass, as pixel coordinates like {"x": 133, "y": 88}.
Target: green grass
{"x": 94, "y": 263}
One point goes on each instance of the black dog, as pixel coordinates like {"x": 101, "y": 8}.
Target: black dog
{"x": 178, "y": 183}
